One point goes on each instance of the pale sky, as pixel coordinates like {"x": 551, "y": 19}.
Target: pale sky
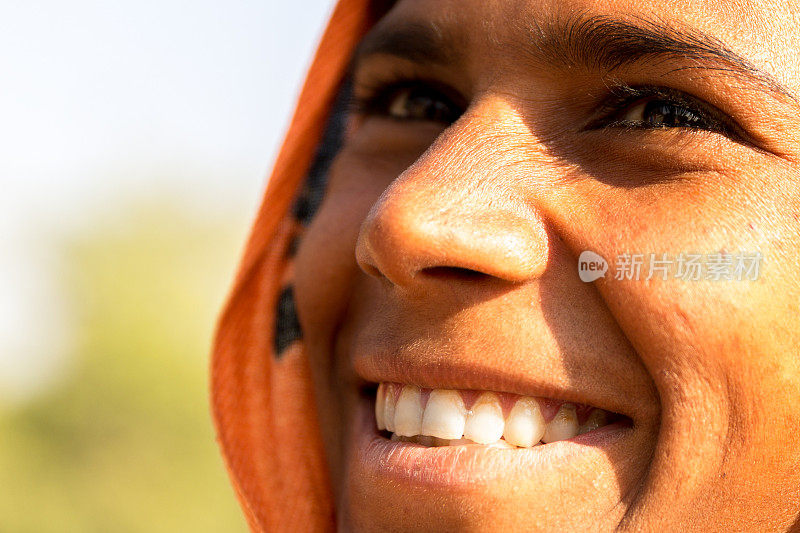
{"x": 98, "y": 98}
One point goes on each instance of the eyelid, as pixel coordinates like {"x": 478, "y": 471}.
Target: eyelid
{"x": 378, "y": 100}
{"x": 368, "y": 99}
{"x": 624, "y": 96}
{"x": 370, "y": 84}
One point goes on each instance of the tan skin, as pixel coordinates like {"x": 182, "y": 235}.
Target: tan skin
{"x": 445, "y": 253}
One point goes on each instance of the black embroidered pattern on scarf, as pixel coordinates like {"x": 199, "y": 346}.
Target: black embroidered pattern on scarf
{"x": 287, "y": 326}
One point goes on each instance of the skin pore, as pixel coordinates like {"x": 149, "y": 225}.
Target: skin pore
{"x": 489, "y": 144}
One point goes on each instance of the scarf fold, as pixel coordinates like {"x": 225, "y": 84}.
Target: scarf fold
{"x": 261, "y": 390}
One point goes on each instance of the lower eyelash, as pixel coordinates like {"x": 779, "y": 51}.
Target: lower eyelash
{"x": 623, "y": 96}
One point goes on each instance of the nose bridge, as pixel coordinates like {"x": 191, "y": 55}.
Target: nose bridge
{"x": 453, "y": 210}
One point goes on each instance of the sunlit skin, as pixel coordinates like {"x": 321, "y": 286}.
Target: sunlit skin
{"x": 445, "y": 255}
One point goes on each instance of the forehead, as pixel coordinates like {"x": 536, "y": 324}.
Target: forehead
{"x": 764, "y": 32}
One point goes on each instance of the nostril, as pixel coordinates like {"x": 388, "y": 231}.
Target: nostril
{"x": 453, "y": 273}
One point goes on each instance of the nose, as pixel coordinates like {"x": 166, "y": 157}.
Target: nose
{"x": 452, "y": 215}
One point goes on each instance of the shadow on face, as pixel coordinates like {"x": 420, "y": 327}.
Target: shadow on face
{"x": 489, "y": 145}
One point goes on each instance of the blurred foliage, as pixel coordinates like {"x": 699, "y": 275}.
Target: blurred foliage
{"x": 124, "y": 441}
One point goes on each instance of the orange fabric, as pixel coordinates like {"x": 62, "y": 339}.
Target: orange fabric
{"x": 263, "y": 407}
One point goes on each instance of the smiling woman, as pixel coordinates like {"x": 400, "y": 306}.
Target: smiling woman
{"x": 412, "y": 347}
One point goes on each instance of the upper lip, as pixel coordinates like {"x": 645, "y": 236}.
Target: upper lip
{"x": 448, "y": 368}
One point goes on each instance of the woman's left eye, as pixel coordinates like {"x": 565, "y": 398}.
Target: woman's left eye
{"x": 653, "y": 108}
{"x": 659, "y": 113}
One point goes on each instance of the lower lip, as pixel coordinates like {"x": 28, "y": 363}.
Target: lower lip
{"x": 453, "y": 466}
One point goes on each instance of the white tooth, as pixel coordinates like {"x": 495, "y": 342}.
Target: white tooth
{"x": 525, "y": 423}
{"x": 408, "y": 412}
{"x": 389, "y": 406}
{"x": 597, "y": 418}
{"x": 380, "y": 406}
{"x": 484, "y": 423}
{"x": 444, "y": 415}
{"x": 563, "y": 426}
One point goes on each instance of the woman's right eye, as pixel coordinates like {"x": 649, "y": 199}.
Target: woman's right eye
{"x": 418, "y": 102}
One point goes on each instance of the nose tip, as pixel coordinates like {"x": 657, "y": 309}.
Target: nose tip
{"x": 411, "y": 238}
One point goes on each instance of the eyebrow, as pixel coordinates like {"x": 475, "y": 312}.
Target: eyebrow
{"x": 417, "y": 42}
{"x": 594, "y": 42}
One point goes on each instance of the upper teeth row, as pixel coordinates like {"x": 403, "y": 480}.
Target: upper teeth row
{"x": 446, "y": 417}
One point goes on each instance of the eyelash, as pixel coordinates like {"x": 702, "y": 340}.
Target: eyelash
{"x": 375, "y": 100}
{"x": 623, "y": 98}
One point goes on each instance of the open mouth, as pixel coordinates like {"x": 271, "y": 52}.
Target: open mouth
{"x": 446, "y": 417}
{"x": 453, "y": 439}
{"x": 453, "y": 422}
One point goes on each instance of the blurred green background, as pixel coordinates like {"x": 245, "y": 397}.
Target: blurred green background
{"x": 122, "y": 440}
{"x": 136, "y": 136}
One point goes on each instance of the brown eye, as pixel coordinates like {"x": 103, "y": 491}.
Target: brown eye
{"x": 411, "y": 101}
{"x": 421, "y": 103}
{"x": 648, "y": 108}
{"x": 657, "y": 113}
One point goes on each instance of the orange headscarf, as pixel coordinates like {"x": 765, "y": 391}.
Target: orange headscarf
{"x": 262, "y": 401}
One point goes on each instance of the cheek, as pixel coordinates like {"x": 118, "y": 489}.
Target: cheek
{"x": 719, "y": 351}
{"x": 326, "y": 267}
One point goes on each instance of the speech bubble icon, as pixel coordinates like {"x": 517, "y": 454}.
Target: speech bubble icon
{"x": 591, "y": 266}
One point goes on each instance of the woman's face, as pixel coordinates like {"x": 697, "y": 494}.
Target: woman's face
{"x": 492, "y": 142}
